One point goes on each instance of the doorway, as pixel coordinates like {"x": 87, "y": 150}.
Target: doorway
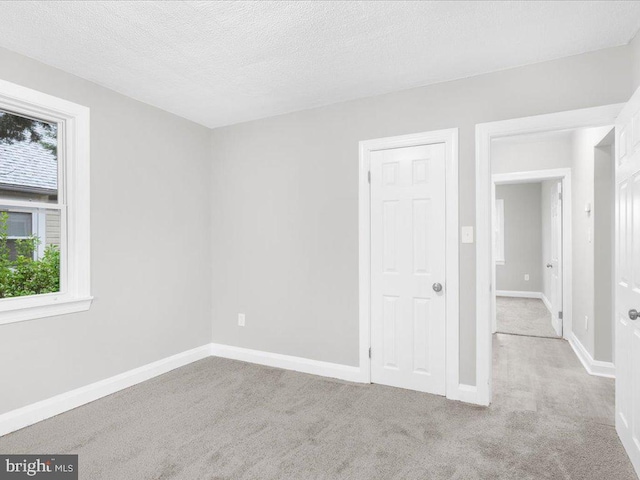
{"x": 485, "y": 282}
{"x": 532, "y": 248}
{"x": 547, "y": 253}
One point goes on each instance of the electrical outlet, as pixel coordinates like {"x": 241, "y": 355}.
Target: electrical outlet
{"x": 241, "y": 319}
{"x": 586, "y": 322}
{"x": 467, "y": 235}
{"x": 526, "y": 277}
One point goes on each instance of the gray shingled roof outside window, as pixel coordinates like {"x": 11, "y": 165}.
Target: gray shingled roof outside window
{"x": 28, "y": 166}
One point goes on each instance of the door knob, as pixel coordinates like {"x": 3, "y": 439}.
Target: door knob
{"x": 633, "y": 314}
{"x": 549, "y": 265}
{"x": 437, "y": 287}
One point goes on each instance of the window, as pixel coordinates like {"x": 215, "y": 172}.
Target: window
{"x": 498, "y": 232}
{"x": 44, "y": 205}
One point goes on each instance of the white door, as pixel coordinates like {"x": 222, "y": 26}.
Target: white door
{"x": 556, "y": 258}
{"x": 407, "y": 265}
{"x": 627, "y": 301}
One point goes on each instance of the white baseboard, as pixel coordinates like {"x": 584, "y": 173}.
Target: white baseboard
{"x": 593, "y": 367}
{"x": 36, "y": 412}
{"x": 556, "y": 323}
{"x": 288, "y": 362}
{"x": 464, "y": 393}
{"x": 518, "y": 294}
{"x": 546, "y": 302}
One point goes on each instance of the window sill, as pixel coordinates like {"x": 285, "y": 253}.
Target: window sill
{"x": 20, "y": 309}
{"x": 499, "y": 262}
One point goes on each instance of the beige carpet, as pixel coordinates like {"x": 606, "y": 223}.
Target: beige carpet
{"x": 222, "y": 419}
{"x": 523, "y": 316}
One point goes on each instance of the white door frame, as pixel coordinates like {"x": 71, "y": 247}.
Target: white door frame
{"x": 485, "y": 132}
{"x": 564, "y": 175}
{"x": 450, "y": 138}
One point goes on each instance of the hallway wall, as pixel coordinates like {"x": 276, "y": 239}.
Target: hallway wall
{"x": 526, "y": 153}
{"x": 522, "y": 238}
{"x": 583, "y": 226}
{"x": 603, "y": 207}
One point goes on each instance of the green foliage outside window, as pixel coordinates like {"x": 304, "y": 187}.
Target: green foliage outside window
{"x": 24, "y": 275}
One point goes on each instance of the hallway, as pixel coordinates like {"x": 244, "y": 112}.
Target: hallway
{"x": 523, "y": 316}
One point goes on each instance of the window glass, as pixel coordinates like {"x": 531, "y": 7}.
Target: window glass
{"x": 30, "y": 234}
{"x": 28, "y": 159}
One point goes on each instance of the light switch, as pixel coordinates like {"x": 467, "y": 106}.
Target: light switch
{"x": 467, "y": 234}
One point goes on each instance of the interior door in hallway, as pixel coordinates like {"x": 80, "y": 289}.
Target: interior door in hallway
{"x": 408, "y": 268}
{"x": 627, "y": 299}
{"x": 556, "y": 259}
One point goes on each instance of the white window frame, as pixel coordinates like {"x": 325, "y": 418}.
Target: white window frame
{"x": 73, "y": 203}
{"x": 498, "y": 240}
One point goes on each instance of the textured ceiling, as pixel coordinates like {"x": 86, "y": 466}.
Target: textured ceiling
{"x": 220, "y": 63}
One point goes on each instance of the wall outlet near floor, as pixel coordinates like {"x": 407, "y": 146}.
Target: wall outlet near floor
{"x": 241, "y": 319}
{"x": 586, "y": 322}
{"x": 526, "y": 277}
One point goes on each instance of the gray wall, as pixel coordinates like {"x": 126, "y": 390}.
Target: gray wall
{"x": 529, "y": 153}
{"x": 522, "y": 238}
{"x": 285, "y": 200}
{"x": 508, "y": 155}
{"x": 634, "y": 48}
{"x": 582, "y": 184}
{"x": 603, "y": 250}
{"x": 150, "y": 247}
